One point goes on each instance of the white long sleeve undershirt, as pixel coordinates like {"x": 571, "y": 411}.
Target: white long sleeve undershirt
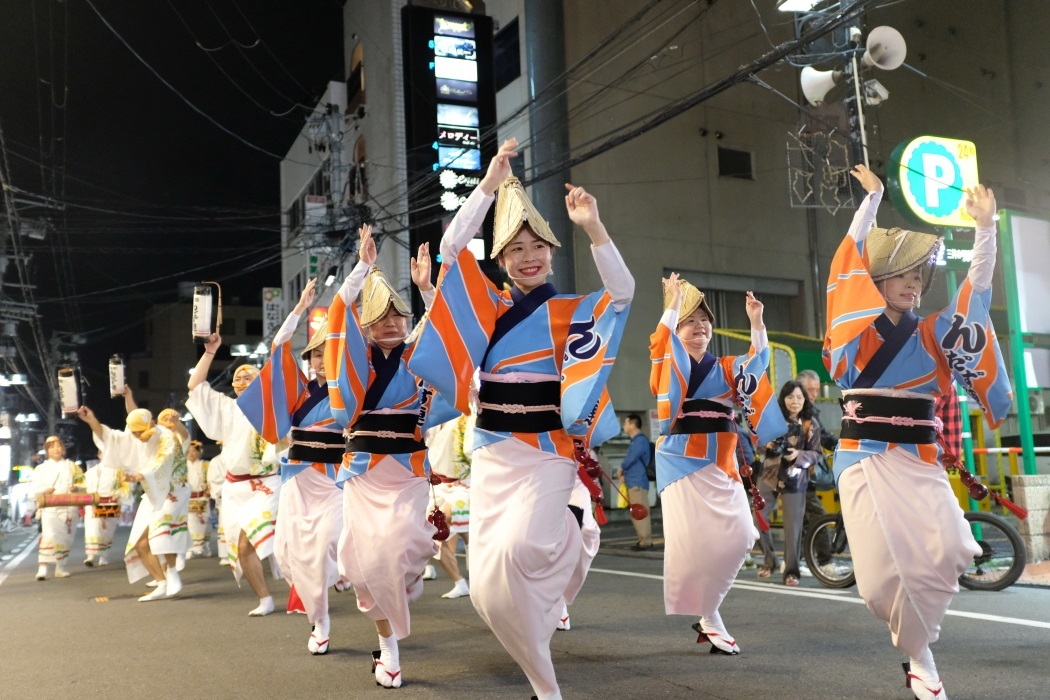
{"x": 864, "y": 219}
{"x": 287, "y": 329}
{"x": 354, "y": 282}
{"x": 983, "y": 264}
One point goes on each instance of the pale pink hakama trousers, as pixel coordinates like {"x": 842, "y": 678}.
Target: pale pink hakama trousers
{"x": 525, "y": 547}
{"x": 386, "y": 541}
{"x": 909, "y": 541}
{"x": 306, "y": 540}
{"x": 708, "y": 530}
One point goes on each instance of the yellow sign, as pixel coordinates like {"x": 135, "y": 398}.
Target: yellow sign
{"x": 928, "y": 177}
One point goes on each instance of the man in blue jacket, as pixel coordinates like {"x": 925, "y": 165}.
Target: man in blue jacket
{"x": 639, "y": 452}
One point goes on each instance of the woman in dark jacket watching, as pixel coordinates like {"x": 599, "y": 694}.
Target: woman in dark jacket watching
{"x": 785, "y": 473}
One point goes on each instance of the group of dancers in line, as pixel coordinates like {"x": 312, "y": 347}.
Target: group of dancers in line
{"x": 530, "y": 366}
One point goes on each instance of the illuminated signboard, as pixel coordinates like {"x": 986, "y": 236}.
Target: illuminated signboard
{"x": 318, "y": 317}
{"x": 956, "y": 255}
{"x": 928, "y": 177}
{"x": 450, "y": 115}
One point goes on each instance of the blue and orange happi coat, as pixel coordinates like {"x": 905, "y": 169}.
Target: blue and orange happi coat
{"x": 958, "y": 343}
{"x": 363, "y": 379}
{"x": 571, "y": 337}
{"x": 676, "y": 378}
{"x": 281, "y": 398}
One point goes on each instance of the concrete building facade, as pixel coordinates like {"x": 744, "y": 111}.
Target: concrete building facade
{"x": 707, "y": 193}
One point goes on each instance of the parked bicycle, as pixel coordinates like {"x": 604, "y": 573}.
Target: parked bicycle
{"x": 1000, "y": 563}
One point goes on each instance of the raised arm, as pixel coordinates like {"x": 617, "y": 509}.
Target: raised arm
{"x": 200, "y": 372}
{"x": 582, "y": 208}
{"x": 88, "y": 416}
{"x": 755, "y": 309}
{"x": 306, "y": 300}
{"x": 864, "y": 219}
{"x": 367, "y": 254}
{"x": 980, "y": 204}
{"x": 421, "y": 266}
{"x": 129, "y": 400}
{"x": 470, "y": 216}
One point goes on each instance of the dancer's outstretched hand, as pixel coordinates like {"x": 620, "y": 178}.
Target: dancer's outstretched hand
{"x": 499, "y": 167}
{"x": 755, "y": 308}
{"x": 672, "y": 292}
{"x": 367, "y": 248}
{"x": 867, "y": 179}
{"x": 421, "y": 268}
{"x": 980, "y": 205}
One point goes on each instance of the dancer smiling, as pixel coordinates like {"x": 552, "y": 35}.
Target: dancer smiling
{"x": 544, "y": 360}
{"x": 696, "y": 469}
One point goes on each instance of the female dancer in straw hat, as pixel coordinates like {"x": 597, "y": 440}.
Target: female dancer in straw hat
{"x": 707, "y": 522}
{"x": 386, "y": 539}
{"x": 544, "y": 360}
{"x": 284, "y": 402}
{"x": 907, "y": 534}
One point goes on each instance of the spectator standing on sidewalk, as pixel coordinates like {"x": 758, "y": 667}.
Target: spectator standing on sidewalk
{"x": 632, "y": 468}
{"x": 810, "y": 381}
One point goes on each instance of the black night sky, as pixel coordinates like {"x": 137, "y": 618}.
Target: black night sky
{"x": 140, "y": 186}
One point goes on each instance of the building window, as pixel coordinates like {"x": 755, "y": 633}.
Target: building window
{"x": 734, "y": 163}
{"x": 229, "y": 326}
{"x": 143, "y": 380}
{"x": 253, "y": 327}
{"x": 507, "y": 55}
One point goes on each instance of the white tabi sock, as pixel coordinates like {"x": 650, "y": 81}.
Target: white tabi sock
{"x": 265, "y": 607}
{"x": 563, "y": 617}
{"x": 174, "y": 581}
{"x": 924, "y": 667}
{"x": 716, "y": 633}
{"x": 388, "y": 670}
{"x": 41, "y": 572}
{"x": 462, "y": 588}
{"x": 318, "y": 642}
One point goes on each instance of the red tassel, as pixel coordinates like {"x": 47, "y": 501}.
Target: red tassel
{"x": 1010, "y": 505}
{"x": 762, "y": 524}
{"x": 599, "y": 515}
{"x": 295, "y": 603}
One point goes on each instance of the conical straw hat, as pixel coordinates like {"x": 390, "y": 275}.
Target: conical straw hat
{"x": 692, "y": 299}
{"x": 316, "y": 341}
{"x": 378, "y": 296}
{"x": 893, "y": 251}
{"x": 514, "y": 210}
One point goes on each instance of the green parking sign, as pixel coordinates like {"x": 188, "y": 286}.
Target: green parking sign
{"x": 928, "y": 177}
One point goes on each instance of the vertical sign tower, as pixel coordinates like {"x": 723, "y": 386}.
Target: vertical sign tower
{"x": 450, "y": 117}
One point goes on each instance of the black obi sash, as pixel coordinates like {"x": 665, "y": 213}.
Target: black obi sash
{"x": 698, "y": 424}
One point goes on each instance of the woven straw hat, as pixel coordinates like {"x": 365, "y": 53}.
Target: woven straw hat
{"x": 692, "y": 299}
{"x": 378, "y": 296}
{"x": 514, "y": 209}
{"x": 892, "y": 251}
{"x": 316, "y": 341}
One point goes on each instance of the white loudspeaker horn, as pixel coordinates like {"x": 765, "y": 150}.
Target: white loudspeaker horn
{"x": 816, "y": 84}
{"x": 886, "y": 48}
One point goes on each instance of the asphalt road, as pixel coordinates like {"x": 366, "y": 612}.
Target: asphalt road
{"x": 87, "y": 637}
